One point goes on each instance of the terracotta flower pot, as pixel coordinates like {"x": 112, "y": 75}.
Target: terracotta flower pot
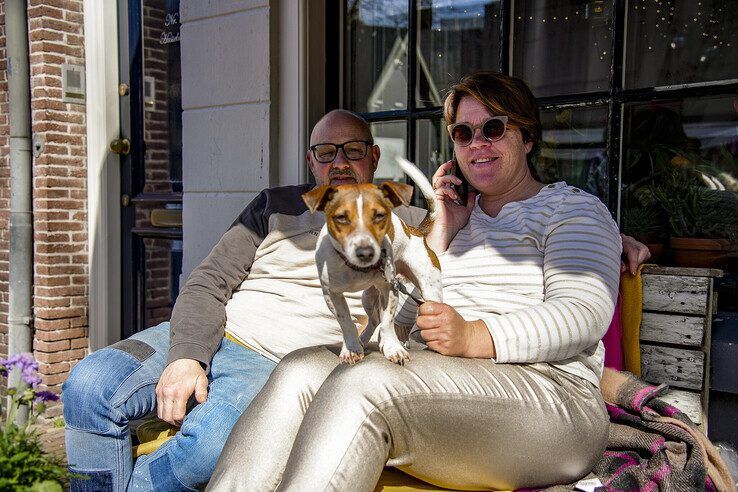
{"x": 656, "y": 250}
{"x": 701, "y": 252}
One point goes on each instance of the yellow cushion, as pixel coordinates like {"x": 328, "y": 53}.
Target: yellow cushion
{"x": 152, "y": 434}
{"x": 393, "y": 480}
{"x": 631, "y": 288}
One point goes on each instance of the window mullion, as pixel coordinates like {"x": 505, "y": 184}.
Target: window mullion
{"x": 505, "y": 37}
{"x": 614, "y": 120}
{"x": 412, "y": 75}
{"x": 651, "y": 94}
{"x": 574, "y": 100}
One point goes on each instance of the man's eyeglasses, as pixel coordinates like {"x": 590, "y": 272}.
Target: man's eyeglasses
{"x": 354, "y": 150}
{"x": 493, "y": 129}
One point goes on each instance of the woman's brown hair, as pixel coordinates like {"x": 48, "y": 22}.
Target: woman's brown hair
{"x": 501, "y": 95}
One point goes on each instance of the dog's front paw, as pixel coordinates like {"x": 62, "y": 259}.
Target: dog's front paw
{"x": 349, "y": 356}
{"x": 395, "y": 352}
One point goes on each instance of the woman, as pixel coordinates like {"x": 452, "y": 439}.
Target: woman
{"x": 530, "y": 281}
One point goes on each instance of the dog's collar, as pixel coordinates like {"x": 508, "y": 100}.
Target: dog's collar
{"x": 377, "y": 267}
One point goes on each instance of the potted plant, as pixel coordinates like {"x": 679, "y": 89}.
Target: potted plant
{"x": 24, "y": 465}
{"x": 703, "y": 222}
{"x": 695, "y": 195}
{"x": 646, "y": 224}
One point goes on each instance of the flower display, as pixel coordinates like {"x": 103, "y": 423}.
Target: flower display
{"x": 23, "y": 463}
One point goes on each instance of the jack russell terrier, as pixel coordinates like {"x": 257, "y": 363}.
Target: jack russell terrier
{"x": 362, "y": 246}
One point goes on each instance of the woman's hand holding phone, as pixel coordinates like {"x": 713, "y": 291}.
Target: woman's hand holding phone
{"x": 462, "y": 187}
{"x": 451, "y": 215}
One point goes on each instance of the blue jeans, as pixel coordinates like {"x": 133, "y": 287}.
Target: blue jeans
{"x": 115, "y": 385}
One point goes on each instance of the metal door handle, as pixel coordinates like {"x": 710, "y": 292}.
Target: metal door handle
{"x": 121, "y": 146}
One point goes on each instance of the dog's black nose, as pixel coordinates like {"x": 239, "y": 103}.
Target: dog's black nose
{"x": 364, "y": 253}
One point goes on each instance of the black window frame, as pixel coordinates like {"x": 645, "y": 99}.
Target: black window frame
{"x": 615, "y": 98}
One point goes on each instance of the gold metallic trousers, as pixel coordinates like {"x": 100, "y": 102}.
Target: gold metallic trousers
{"x": 468, "y": 424}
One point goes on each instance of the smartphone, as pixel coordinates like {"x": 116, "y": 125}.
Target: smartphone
{"x": 462, "y": 190}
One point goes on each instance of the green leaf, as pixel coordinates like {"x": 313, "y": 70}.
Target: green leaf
{"x": 46, "y": 486}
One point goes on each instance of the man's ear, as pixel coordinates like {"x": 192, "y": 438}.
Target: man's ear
{"x": 316, "y": 198}
{"x": 397, "y": 193}
{"x": 376, "y": 154}
{"x": 309, "y": 160}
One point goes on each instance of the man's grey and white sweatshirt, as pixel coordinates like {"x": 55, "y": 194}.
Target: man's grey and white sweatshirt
{"x": 543, "y": 275}
{"x": 260, "y": 284}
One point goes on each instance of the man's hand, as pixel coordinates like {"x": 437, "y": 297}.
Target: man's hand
{"x": 446, "y": 332}
{"x": 179, "y": 380}
{"x": 635, "y": 254}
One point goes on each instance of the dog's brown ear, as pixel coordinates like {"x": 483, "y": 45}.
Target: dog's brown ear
{"x": 316, "y": 198}
{"x": 397, "y": 193}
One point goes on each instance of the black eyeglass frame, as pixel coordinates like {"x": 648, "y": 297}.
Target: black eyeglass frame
{"x": 502, "y": 118}
{"x": 367, "y": 144}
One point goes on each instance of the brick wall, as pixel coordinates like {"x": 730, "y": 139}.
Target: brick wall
{"x": 61, "y": 280}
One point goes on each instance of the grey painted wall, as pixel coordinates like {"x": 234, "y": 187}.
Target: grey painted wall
{"x": 226, "y": 116}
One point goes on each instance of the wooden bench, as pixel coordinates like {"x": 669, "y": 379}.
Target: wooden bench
{"x": 678, "y": 305}
{"x": 676, "y": 325}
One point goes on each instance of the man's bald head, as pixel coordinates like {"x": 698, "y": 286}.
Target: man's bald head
{"x": 339, "y": 127}
{"x": 340, "y": 121}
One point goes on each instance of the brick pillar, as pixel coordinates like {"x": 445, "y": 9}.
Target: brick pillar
{"x": 61, "y": 277}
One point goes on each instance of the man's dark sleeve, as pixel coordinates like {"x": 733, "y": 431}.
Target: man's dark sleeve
{"x": 198, "y": 318}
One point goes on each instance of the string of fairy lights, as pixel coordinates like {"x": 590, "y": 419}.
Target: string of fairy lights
{"x": 656, "y": 24}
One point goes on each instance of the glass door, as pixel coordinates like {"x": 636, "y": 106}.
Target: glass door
{"x": 150, "y": 145}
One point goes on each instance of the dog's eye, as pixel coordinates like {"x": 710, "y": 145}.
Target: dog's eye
{"x": 379, "y": 217}
{"x": 340, "y": 219}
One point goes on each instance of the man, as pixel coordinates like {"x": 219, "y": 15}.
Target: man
{"x": 260, "y": 283}
{"x": 259, "y": 287}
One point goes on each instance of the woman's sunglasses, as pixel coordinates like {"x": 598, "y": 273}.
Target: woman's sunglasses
{"x": 493, "y": 129}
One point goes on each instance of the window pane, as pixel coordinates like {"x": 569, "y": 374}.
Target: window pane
{"x": 162, "y": 96}
{"x": 376, "y": 55}
{"x": 455, "y": 38}
{"x": 563, "y": 47}
{"x": 163, "y": 259}
{"x": 680, "y": 169}
{"x": 574, "y": 149}
{"x": 433, "y": 145}
{"x": 680, "y": 42}
{"x": 392, "y": 140}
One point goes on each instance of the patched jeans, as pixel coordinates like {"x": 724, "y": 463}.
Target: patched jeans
{"x": 115, "y": 385}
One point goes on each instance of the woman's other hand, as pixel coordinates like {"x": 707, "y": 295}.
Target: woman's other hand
{"x": 635, "y": 253}
{"x": 446, "y": 332}
{"x": 451, "y": 216}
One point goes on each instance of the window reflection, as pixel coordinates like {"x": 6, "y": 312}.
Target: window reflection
{"x": 162, "y": 96}
{"x": 391, "y": 137}
{"x": 455, "y": 37}
{"x": 163, "y": 262}
{"x": 563, "y": 47}
{"x": 376, "y": 55}
{"x": 433, "y": 145}
{"x": 680, "y": 170}
{"x": 574, "y": 149}
{"x": 671, "y": 42}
